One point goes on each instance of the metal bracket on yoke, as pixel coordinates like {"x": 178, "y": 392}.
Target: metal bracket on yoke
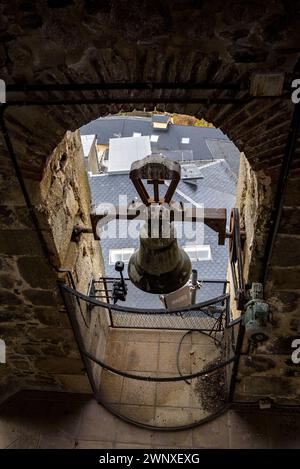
{"x": 155, "y": 169}
{"x": 236, "y": 242}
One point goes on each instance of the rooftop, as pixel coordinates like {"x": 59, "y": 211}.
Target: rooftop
{"x": 124, "y": 151}
{"x": 87, "y": 141}
{"x": 179, "y": 142}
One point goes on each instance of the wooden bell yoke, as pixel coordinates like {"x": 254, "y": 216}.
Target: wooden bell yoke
{"x": 157, "y": 170}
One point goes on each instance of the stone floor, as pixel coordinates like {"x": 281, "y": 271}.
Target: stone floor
{"x": 154, "y": 353}
{"x": 57, "y": 420}
{"x": 35, "y": 419}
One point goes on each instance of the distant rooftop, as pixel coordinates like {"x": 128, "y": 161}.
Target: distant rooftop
{"x": 178, "y": 142}
{"x": 160, "y": 118}
{"x": 87, "y": 142}
{"x": 124, "y": 151}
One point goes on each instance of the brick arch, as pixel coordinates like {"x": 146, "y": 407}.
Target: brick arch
{"x": 95, "y": 42}
{"x": 214, "y": 41}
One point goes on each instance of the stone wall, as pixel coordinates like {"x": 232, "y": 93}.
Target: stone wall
{"x": 117, "y": 42}
{"x": 255, "y": 191}
{"x": 267, "y": 370}
{"x": 41, "y": 350}
{"x": 91, "y": 161}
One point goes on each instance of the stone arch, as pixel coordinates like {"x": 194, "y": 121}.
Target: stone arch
{"x": 185, "y": 42}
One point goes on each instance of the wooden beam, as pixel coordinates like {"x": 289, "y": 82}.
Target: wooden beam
{"x": 215, "y": 218}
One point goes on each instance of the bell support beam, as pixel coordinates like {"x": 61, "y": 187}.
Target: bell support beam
{"x": 155, "y": 169}
{"x": 215, "y": 218}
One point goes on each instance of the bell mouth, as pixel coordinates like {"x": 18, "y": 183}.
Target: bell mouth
{"x": 166, "y": 282}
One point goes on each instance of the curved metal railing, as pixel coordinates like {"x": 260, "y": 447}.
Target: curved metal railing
{"x": 216, "y": 374}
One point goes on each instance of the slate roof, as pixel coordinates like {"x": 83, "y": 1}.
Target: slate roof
{"x": 124, "y": 151}
{"x": 160, "y": 118}
{"x": 204, "y": 143}
{"x": 87, "y": 141}
{"x": 215, "y": 189}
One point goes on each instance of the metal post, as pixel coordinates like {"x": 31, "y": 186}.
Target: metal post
{"x": 194, "y": 280}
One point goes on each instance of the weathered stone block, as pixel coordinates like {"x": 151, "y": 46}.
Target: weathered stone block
{"x": 258, "y": 363}
{"x": 289, "y": 300}
{"x": 9, "y": 298}
{"x": 42, "y": 297}
{"x": 7, "y": 264}
{"x": 286, "y": 251}
{"x": 51, "y": 334}
{"x": 15, "y": 217}
{"x": 290, "y": 221}
{"x": 36, "y": 272}
{"x": 7, "y": 281}
{"x": 292, "y": 195}
{"x": 52, "y": 317}
{"x": 285, "y": 278}
{"x": 75, "y": 383}
{"x": 68, "y": 366}
{"x": 274, "y": 387}
{"x": 9, "y": 330}
{"x": 10, "y": 191}
{"x": 20, "y": 242}
{"x": 15, "y": 313}
{"x": 282, "y": 345}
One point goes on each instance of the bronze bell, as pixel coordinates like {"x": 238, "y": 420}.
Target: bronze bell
{"x": 159, "y": 265}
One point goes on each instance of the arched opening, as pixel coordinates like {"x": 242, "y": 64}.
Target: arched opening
{"x": 158, "y": 343}
{"x": 55, "y": 170}
{"x": 214, "y": 84}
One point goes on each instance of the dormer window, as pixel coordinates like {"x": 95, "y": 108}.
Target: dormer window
{"x": 198, "y": 252}
{"x": 161, "y": 121}
{"x": 154, "y": 138}
{"x": 122, "y": 254}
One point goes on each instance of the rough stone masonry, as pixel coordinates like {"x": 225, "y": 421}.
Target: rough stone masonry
{"x": 150, "y": 41}
{"x": 41, "y": 349}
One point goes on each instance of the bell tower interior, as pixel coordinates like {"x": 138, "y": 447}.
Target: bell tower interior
{"x": 224, "y": 353}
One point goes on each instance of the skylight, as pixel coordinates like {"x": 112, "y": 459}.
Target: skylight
{"x": 198, "y": 252}
{"x": 154, "y": 138}
{"x": 123, "y": 255}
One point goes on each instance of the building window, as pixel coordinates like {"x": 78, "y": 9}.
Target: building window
{"x": 154, "y": 138}
{"x": 198, "y": 252}
{"x": 136, "y": 134}
{"x": 123, "y": 254}
{"x": 185, "y": 140}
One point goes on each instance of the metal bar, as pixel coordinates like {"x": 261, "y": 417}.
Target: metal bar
{"x": 71, "y": 279}
{"x": 79, "y": 340}
{"x": 19, "y": 175}
{"x": 97, "y": 296}
{"x": 32, "y": 87}
{"x": 153, "y": 311}
{"x": 156, "y": 191}
{"x": 281, "y": 189}
{"x": 166, "y": 328}
{"x": 107, "y": 299}
{"x": 111, "y": 279}
{"x": 171, "y": 190}
{"x": 236, "y": 362}
{"x": 194, "y": 281}
{"x": 135, "y": 100}
{"x": 141, "y": 190}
